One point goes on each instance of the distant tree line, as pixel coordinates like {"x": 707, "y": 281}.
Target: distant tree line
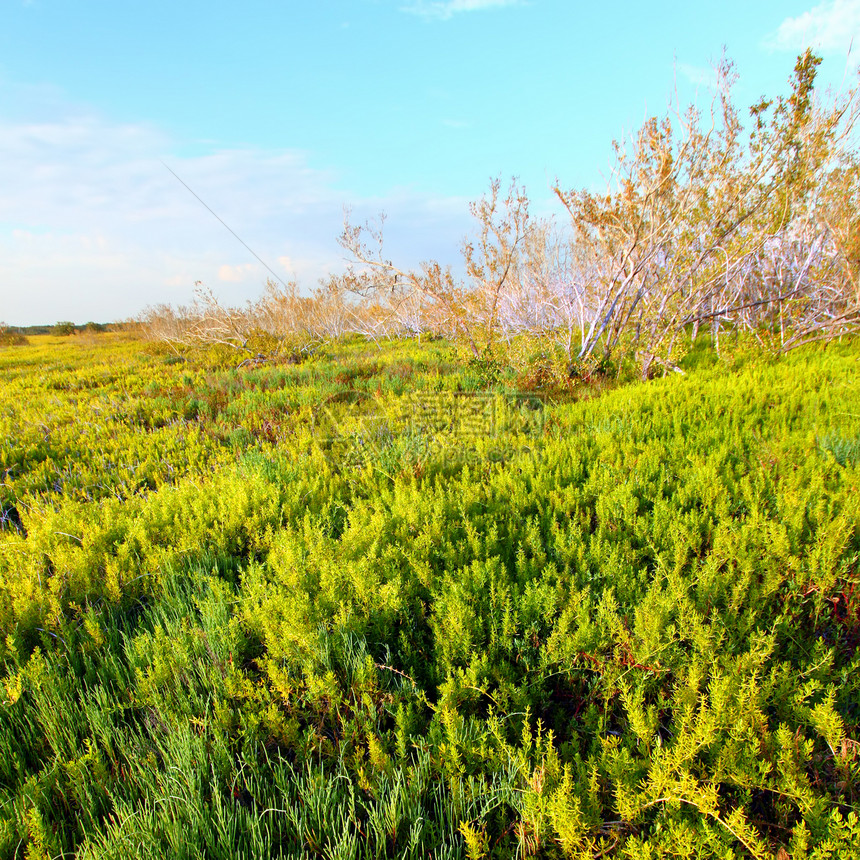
{"x": 11, "y": 335}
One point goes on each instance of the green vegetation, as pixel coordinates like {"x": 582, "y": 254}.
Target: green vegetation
{"x": 379, "y": 603}
{"x": 299, "y": 579}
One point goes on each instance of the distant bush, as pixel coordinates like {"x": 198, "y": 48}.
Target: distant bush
{"x": 63, "y": 328}
{"x": 11, "y": 337}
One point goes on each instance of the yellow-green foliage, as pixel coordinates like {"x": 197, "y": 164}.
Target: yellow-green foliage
{"x": 341, "y": 609}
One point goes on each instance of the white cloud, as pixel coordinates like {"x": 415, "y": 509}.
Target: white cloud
{"x": 236, "y": 274}
{"x": 445, "y": 9}
{"x": 92, "y": 226}
{"x": 829, "y": 27}
{"x": 698, "y": 75}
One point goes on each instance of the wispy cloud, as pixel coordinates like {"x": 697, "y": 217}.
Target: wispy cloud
{"x": 235, "y": 274}
{"x": 93, "y": 227}
{"x": 698, "y": 75}
{"x": 830, "y": 27}
{"x": 444, "y": 10}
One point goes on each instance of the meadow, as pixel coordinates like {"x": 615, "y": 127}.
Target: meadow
{"x": 390, "y": 602}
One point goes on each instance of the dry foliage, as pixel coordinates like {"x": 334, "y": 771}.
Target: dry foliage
{"x": 11, "y": 337}
{"x": 703, "y": 223}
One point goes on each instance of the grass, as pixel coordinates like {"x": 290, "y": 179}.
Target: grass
{"x": 376, "y": 605}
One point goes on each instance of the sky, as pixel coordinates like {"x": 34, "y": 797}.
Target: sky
{"x": 281, "y": 116}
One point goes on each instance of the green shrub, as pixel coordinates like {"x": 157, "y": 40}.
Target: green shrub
{"x": 628, "y": 624}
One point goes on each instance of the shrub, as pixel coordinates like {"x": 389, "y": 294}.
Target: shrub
{"x": 11, "y": 337}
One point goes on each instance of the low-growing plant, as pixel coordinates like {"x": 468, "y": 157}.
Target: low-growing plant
{"x": 475, "y": 623}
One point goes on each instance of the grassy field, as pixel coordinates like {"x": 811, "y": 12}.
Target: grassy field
{"x": 385, "y": 603}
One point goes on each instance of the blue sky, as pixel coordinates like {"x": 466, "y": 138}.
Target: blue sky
{"x": 280, "y": 114}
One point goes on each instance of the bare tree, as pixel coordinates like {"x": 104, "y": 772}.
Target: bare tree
{"x": 702, "y": 223}
{"x": 688, "y": 230}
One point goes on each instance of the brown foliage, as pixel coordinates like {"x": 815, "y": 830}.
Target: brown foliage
{"x": 703, "y": 223}
{"x": 11, "y": 337}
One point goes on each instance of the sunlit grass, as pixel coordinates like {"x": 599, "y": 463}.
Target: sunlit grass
{"x": 373, "y": 605}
